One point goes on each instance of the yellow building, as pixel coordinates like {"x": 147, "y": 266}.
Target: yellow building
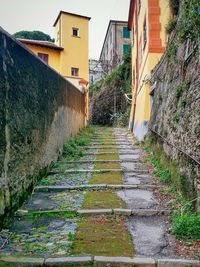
{"x": 147, "y": 21}
{"x": 68, "y": 55}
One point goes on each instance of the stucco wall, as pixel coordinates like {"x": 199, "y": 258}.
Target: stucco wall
{"x": 39, "y": 111}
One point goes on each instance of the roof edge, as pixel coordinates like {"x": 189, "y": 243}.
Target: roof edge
{"x": 69, "y": 13}
{"x": 40, "y": 43}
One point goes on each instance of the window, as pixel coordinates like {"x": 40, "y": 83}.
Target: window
{"x": 75, "y": 72}
{"x": 126, "y": 32}
{"x": 44, "y": 57}
{"x": 144, "y": 33}
{"x": 126, "y": 48}
{"x": 75, "y": 32}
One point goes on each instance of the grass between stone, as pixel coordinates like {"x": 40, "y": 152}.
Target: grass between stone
{"x": 102, "y": 200}
{"x": 102, "y": 235}
{"x": 107, "y": 165}
{"x": 107, "y": 178}
{"x": 108, "y": 157}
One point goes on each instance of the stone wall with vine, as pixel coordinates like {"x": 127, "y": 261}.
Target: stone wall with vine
{"x": 175, "y": 90}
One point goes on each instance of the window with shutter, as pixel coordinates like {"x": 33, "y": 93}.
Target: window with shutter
{"x": 126, "y": 32}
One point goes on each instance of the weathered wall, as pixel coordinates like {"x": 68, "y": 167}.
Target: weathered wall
{"x": 175, "y": 112}
{"x": 39, "y": 110}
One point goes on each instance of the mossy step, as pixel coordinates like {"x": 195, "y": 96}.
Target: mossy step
{"x": 100, "y": 161}
{"x": 87, "y": 261}
{"x": 112, "y": 143}
{"x": 99, "y": 171}
{"x": 92, "y": 187}
{"x": 110, "y": 153}
{"x": 129, "y": 146}
{"x": 103, "y": 235}
{"x": 110, "y": 211}
{"x": 111, "y": 140}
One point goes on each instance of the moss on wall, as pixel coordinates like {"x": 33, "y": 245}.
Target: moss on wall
{"x": 39, "y": 111}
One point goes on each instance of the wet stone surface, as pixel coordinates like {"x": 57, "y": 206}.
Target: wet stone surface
{"x": 130, "y": 166}
{"x": 128, "y": 157}
{"x": 149, "y": 235}
{"x": 49, "y": 201}
{"x": 137, "y": 199}
{"x": 71, "y": 179}
{"x": 43, "y": 236}
{"x": 132, "y": 178}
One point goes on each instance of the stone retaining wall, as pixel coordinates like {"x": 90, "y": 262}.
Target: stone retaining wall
{"x": 39, "y": 110}
{"x": 175, "y": 116}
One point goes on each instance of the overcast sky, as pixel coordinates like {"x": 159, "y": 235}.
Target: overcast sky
{"x": 16, "y": 15}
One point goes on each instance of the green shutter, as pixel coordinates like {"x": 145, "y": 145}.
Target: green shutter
{"x": 126, "y": 48}
{"x": 126, "y": 32}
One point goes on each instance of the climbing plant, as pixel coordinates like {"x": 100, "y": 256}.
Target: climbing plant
{"x": 108, "y": 102}
{"x": 189, "y": 23}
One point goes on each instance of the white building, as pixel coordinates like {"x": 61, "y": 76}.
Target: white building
{"x": 116, "y": 44}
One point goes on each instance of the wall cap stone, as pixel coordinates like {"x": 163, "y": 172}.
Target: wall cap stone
{"x": 16, "y": 259}
{"x": 178, "y": 263}
{"x": 68, "y": 260}
{"x": 124, "y": 261}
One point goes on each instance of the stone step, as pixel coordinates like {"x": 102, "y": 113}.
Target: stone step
{"x": 98, "y": 261}
{"x": 112, "y": 139}
{"x": 102, "y": 161}
{"x": 99, "y": 171}
{"x": 92, "y": 187}
{"x": 116, "y": 211}
{"x": 123, "y": 147}
{"x": 110, "y": 153}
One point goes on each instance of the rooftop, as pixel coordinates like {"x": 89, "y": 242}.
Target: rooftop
{"x": 40, "y": 43}
{"x": 68, "y": 13}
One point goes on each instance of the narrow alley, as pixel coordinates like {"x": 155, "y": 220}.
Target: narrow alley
{"x": 103, "y": 209}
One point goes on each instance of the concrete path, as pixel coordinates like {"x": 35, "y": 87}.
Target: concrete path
{"x": 101, "y": 205}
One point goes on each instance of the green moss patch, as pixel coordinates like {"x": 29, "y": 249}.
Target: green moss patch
{"x": 107, "y": 165}
{"x": 102, "y": 200}
{"x": 107, "y": 178}
{"x": 40, "y": 235}
{"x": 102, "y": 235}
{"x": 107, "y": 157}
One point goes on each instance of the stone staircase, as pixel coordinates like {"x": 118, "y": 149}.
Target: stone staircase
{"x": 101, "y": 210}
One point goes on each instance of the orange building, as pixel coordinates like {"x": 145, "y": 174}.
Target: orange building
{"x": 147, "y": 22}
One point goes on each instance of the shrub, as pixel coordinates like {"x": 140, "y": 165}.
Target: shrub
{"x": 120, "y": 119}
{"x": 174, "y": 6}
{"x": 186, "y": 226}
{"x": 171, "y": 25}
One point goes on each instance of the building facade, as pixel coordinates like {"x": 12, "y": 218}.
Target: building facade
{"x": 68, "y": 55}
{"x": 116, "y": 44}
{"x": 147, "y": 22}
{"x": 96, "y": 72}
